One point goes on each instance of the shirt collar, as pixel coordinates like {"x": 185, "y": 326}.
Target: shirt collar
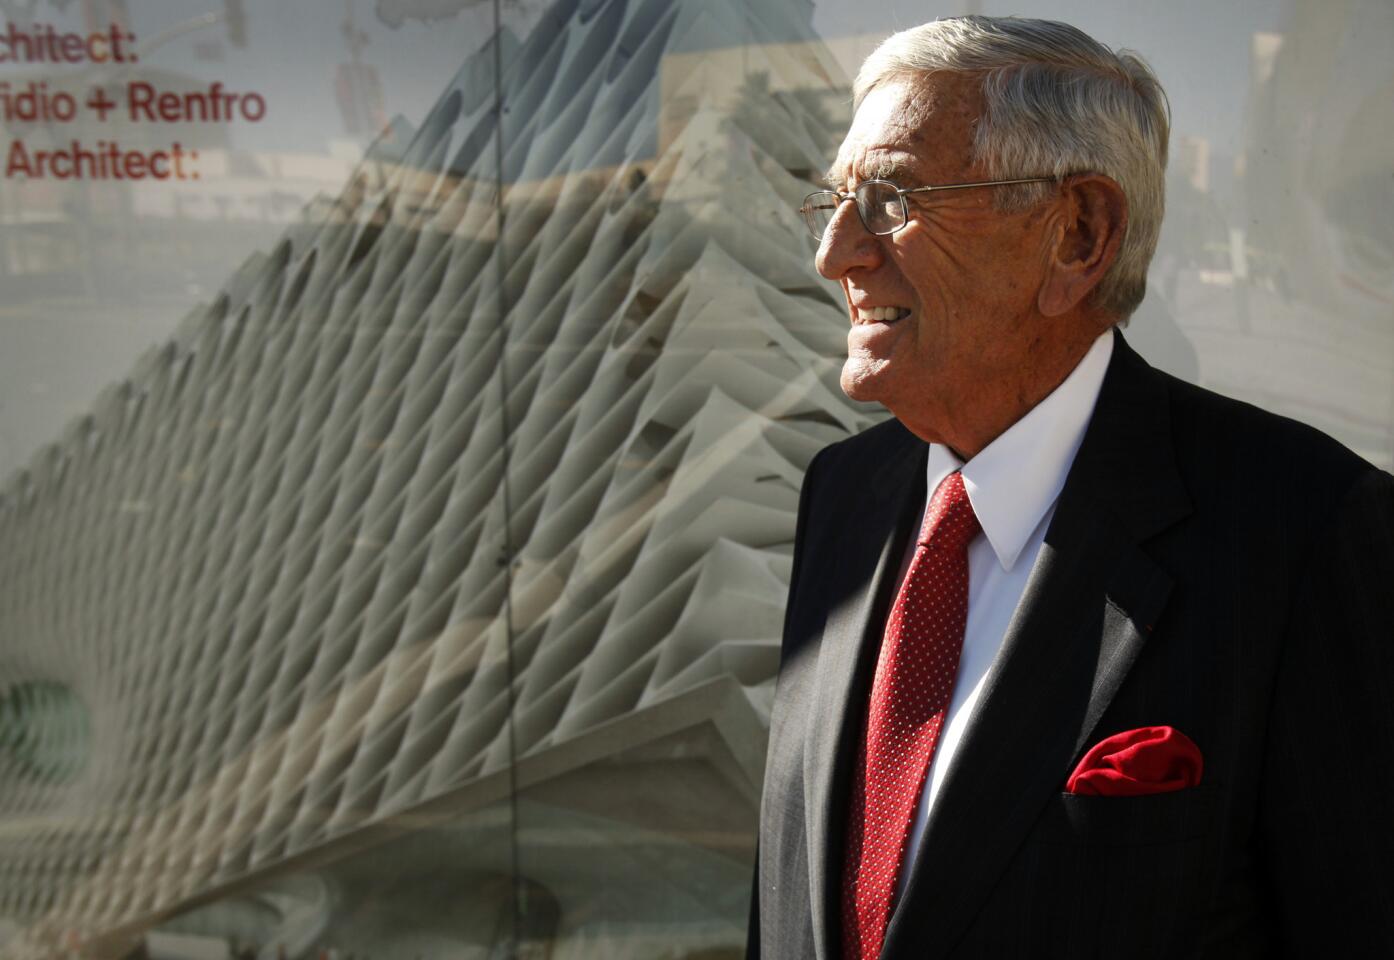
{"x": 1015, "y": 479}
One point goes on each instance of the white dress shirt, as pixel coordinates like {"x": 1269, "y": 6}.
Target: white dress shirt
{"x": 1013, "y": 484}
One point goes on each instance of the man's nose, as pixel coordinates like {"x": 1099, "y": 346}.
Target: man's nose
{"x": 847, "y": 244}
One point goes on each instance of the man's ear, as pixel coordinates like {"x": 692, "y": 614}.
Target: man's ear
{"x": 1095, "y": 217}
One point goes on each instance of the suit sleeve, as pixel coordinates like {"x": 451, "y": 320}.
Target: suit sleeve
{"x": 752, "y": 949}
{"x": 1328, "y": 791}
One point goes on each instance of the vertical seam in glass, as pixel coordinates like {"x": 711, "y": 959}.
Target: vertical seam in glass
{"x": 501, "y": 299}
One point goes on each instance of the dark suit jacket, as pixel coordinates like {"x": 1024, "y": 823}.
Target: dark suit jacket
{"x": 1210, "y": 567}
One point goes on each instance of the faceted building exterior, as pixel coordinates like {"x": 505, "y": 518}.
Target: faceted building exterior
{"x": 458, "y": 491}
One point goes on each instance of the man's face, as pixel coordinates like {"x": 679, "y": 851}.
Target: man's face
{"x": 961, "y": 277}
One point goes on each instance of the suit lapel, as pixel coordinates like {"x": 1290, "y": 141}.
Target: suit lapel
{"x": 1088, "y": 606}
{"x": 868, "y": 555}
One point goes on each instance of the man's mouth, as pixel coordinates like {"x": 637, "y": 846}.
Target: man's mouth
{"x": 881, "y": 314}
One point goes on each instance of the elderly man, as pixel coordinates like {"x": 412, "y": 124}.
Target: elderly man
{"x": 1078, "y": 659}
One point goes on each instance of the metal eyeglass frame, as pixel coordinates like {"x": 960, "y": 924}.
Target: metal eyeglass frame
{"x": 807, "y": 208}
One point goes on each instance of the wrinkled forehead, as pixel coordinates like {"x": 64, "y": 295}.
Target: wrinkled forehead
{"x": 911, "y": 129}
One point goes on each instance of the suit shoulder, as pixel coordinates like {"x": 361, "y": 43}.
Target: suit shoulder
{"x": 869, "y": 446}
{"x": 1223, "y": 435}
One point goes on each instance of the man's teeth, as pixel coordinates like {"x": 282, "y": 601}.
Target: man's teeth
{"x": 882, "y": 314}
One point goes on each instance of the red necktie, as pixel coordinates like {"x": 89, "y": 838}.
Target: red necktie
{"x": 915, "y": 675}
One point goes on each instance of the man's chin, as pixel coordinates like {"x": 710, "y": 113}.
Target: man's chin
{"x": 863, "y": 380}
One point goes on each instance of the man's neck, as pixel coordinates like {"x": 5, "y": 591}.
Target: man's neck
{"x": 967, "y": 431}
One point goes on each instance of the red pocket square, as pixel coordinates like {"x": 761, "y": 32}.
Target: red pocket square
{"x": 1137, "y": 762}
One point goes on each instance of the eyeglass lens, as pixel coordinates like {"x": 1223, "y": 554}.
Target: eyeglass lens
{"x": 878, "y": 203}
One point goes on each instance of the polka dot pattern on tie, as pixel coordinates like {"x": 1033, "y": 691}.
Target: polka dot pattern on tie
{"x": 915, "y": 675}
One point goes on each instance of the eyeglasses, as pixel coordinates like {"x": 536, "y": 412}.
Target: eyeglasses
{"x": 880, "y": 203}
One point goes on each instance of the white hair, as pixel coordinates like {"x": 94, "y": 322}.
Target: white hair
{"x": 1055, "y": 102}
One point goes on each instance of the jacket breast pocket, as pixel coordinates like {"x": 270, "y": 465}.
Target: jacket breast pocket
{"x": 1107, "y": 877}
{"x": 1128, "y": 821}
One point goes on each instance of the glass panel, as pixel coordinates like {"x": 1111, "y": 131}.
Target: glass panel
{"x": 674, "y": 361}
{"x": 270, "y": 562}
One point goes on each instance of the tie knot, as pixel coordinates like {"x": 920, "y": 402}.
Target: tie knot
{"x": 949, "y": 522}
